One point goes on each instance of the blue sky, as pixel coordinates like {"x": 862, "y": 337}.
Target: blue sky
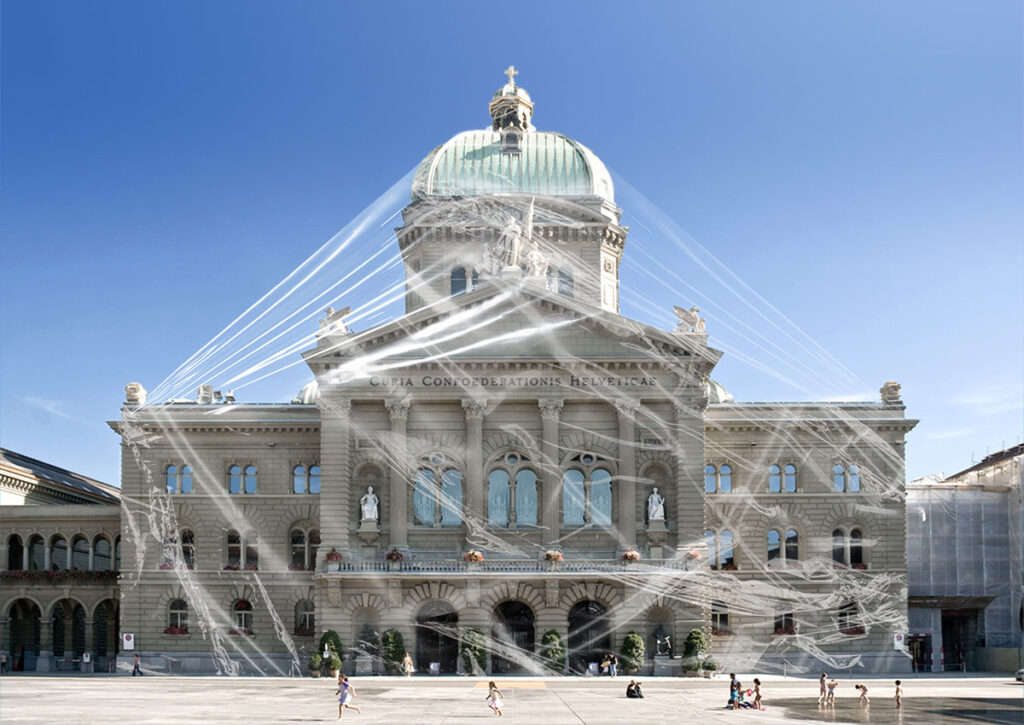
{"x": 858, "y": 164}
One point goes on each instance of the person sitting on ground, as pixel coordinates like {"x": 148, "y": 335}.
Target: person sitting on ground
{"x": 633, "y": 690}
{"x": 863, "y": 699}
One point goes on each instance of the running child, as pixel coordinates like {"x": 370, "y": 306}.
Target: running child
{"x": 494, "y": 698}
{"x": 345, "y": 694}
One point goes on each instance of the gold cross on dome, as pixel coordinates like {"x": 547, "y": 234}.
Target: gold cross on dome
{"x": 511, "y": 72}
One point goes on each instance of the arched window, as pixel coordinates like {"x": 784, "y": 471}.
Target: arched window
{"x": 80, "y": 554}
{"x": 512, "y": 492}
{"x": 726, "y": 547}
{"x": 565, "y": 283}
{"x": 235, "y": 479}
{"x": 458, "y": 281}
{"x": 241, "y": 612}
{"x": 314, "y": 545}
{"x": 437, "y": 493}
{"x": 305, "y": 618}
{"x": 188, "y": 548}
{"x": 790, "y": 478}
{"x": 178, "y": 479}
{"x": 774, "y": 542}
{"x": 15, "y": 553}
{"x": 854, "y": 483}
{"x": 36, "y": 553}
{"x": 774, "y": 479}
{"x": 838, "y": 479}
{"x": 250, "y": 479}
{"x": 718, "y": 479}
{"x": 792, "y": 545}
{"x": 839, "y": 547}
{"x": 177, "y": 617}
{"x": 587, "y": 490}
{"x": 306, "y": 480}
{"x": 101, "y": 554}
{"x": 58, "y": 553}
{"x": 573, "y": 498}
{"x": 117, "y": 553}
{"x": 784, "y": 623}
{"x": 252, "y": 551}
{"x": 234, "y": 550}
{"x": 712, "y": 543}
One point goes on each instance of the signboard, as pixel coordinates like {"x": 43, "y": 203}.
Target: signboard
{"x": 461, "y": 382}
{"x": 86, "y": 657}
{"x": 898, "y": 641}
{"x": 127, "y": 640}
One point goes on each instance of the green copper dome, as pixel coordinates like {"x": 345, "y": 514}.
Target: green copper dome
{"x": 474, "y": 163}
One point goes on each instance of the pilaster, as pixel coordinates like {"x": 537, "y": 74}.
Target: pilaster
{"x": 626, "y": 483}
{"x": 475, "y": 411}
{"x": 336, "y": 476}
{"x": 550, "y": 410}
{"x": 398, "y": 411}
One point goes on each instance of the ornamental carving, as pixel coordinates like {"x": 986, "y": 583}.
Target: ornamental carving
{"x": 550, "y": 409}
{"x": 474, "y": 409}
{"x": 398, "y": 409}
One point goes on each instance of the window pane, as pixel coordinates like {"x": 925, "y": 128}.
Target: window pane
{"x": 299, "y": 479}
{"x": 497, "y": 498}
{"x": 101, "y": 555}
{"x": 298, "y": 549}
{"x": 234, "y": 548}
{"x": 774, "y": 544}
{"x": 171, "y": 478}
{"x": 234, "y": 480}
{"x": 36, "y": 554}
{"x": 565, "y": 283}
{"x": 423, "y": 497}
{"x": 59, "y": 554}
{"x": 774, "y": 479}
{"x": 854, "y": 479}
{"x": 80, "y": 555}
{"x": 838, "y": 547}
{"x": 709, "y": 539}
{"x": 572, "y": 498}
{"x": 790, "y": 479}
{"x": 856, "y": 548}
{"x": 250, "y": 479}
{"x": 314, "y": 479}
{"x": 314, "y": 544}
{"x": 838, "y": 479}
{"x": 725, "y": 479}
{"x": 186, "y": 480}
{"x": 792, "y": 546}
{"x": 458, "y": 281}
{"x": 526, "y": 498}
{"x": 188, "y": 547}
{"x": 725, "y": 548}
{"x": 451, "y": 498}
{"x": 601, "y": 497}
{"x": 710, "y": 485}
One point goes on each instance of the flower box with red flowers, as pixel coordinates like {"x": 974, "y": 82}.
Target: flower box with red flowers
{"x": 473, "y": 556}
{"x": 231, "y": 567}
{"x": 303, "y": 631}
{"x": 332, "y": 555}
{"x": 553, "y": 555}
{"x": 245, "y": 631}
{"x": 630, "y": 555}
{"x": 176, "y": 630}
{"x": 394, "y": 556}
{"x": 860, "y": 567}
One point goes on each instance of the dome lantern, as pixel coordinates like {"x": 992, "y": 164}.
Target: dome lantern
{"x": 511, "y": 107}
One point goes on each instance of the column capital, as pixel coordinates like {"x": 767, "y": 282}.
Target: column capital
{"x": 398, "y": 409}
{"x": 627, "y": 407}
{"x": 474, "y": 409}
{"x": 340, "y": 408}
{"x": 550, "y": 408}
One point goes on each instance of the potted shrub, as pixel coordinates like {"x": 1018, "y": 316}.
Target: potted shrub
{"x": 315, "y": 663}
{"x": 694, "y": 648}
{"x": 552, "y": 652}
{"x": 393, "y": 651}
{"x": 633, "y": 651}
{"x": 474, "y": 652}
{"x": 334, "y": 664}
{"x": 709, "y": 666}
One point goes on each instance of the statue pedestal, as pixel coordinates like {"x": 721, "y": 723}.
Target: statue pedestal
{"x": 657, "y": 534}
{"x": 665, "y": 667}
{"x": 364, "y": 665}
{"x": 368, "y": 530}
{"x": 656, "y": 525}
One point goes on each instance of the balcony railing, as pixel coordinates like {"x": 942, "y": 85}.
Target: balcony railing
{"x": 422, "y": 566}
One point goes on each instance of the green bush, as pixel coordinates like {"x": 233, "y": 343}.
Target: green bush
{"x": 633, "y": 651}
{"x": 710, "y": 665}
{"x": 474, "y": 652}
{"x": 331, "y": 641}
{"x": 696, "y": 644}
{"x": 315, "y": 662}
{"x": 333, "y": 661}
{"x": 552, "y": 651}
{"x": 393, "y": 651}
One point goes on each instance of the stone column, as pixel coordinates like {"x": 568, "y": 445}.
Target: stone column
{"x": 398, "y": 411}
{"x": 45, "y": 644}
{"x": 336, "y": 475}
{"x": 550, "y": 479}
{"x": 24, "y": 557}
{"x": 90, "y": 645}
{"x": 626, "y": 483}
{"x": 473, "y": 507}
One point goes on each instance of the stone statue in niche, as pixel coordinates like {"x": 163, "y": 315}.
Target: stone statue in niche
{"x": 655, "y": 506}
{"x": 370, "y": 505}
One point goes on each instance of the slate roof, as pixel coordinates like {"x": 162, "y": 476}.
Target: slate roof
{"x": 60, "y": 478}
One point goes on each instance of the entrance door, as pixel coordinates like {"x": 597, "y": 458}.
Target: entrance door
{"x": 437, "y": 637}
{"x": 959, "y": 638}
{"x": 513, "y": 637}
{"x": 589, "y": 637}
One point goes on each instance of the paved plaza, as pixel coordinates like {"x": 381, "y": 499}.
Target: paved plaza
{"x": 550, "y": 701}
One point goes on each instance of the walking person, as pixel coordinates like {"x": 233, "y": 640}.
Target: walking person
{"x": 345, "y": 695}
{"x": 613, "y": 665}
{"x": 494, "y": 698}
{"x": 757, "y": 694}
{"x": 863, "y": 699}
{"x": 830, "y": 699}
{"x": 137, "y": 670}
{"x": 822, "y": 688}
{"x": 899, "y": 695}
{"x": 407, "y": 668}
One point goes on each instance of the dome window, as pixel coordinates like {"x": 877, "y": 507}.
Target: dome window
{"x": 511, "y": 141}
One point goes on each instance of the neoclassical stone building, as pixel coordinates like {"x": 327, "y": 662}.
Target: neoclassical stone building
{"x": 512, "y": 411}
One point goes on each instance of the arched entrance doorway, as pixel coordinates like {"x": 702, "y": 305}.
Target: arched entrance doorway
{"x": 25, "y": 635}
{"x": 589, "y": 635}
{"x": 513, "y": 636}
{"x": 437, "y": 637}
{"x": 68, "y": 632}
{"x": 106, "y": 637}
